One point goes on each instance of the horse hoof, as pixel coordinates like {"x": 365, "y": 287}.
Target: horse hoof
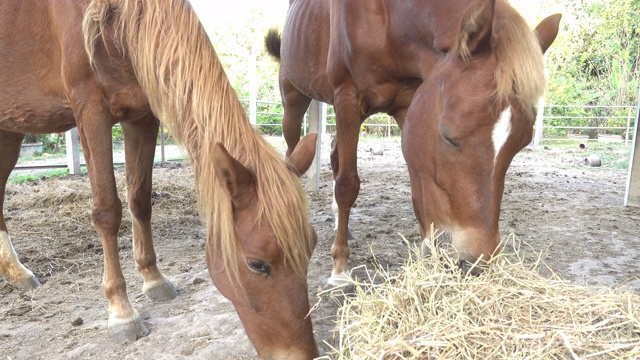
{"x": 425, "y": 249}
{"x": 128, "y": 331}
{"x": 27, "y": 283}
{"x": 339, "y": 280}
{"x": 162, "y": 290}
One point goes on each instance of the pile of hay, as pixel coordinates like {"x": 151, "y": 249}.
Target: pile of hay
{"x": 50, "y": 220}
{"x": 429, "y": 311}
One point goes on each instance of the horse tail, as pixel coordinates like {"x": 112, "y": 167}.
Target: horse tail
{"x": 272, "y": 42}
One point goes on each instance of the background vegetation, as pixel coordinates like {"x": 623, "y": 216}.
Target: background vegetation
{"x": 593, "y": 62}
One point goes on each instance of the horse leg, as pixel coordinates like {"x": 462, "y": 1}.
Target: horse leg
{"x": 418, "y": 203}
{"x": 94, "y": 125}
{"x": 295, "y": 105}
{"x": 346, "y": 180}
{"x": 10, "y": 267}
{"x": 335, "y": 164}
{"x": 140, "y": 145}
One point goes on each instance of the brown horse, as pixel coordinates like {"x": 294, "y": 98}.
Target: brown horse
{"x": 460, "y": 77}
{"x": 92, "y": 64}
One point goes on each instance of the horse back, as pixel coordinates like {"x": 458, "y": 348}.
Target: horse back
{"x": 304, "y": 49}
{"x": 380, "y": 50}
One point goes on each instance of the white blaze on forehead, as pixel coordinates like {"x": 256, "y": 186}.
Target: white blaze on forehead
{"x": 501, "y": 132}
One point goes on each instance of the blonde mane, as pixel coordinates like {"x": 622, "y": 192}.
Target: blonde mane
{"x": 520, "y": 72}
{"x": 188, "y": 90}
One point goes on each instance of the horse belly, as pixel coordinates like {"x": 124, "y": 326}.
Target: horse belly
{"x": 38, "y": 114}
{"x": 305, "y": 45}
{"x": 32, "y": 94}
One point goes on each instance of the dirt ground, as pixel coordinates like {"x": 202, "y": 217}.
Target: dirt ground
{"x": 571, "y": 213}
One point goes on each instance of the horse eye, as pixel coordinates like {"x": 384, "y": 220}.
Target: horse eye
{"x": 259, "y": 266}
{"x": 450, "y": 141}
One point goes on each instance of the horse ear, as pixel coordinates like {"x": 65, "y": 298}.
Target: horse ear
{"x": 302, "y": 156}
{"x": 476, "y": 26}
{"x": 237, "y": 179}
{"x": 547, "y": 31}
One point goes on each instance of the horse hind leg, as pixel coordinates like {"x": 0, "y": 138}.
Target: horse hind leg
{"x": 295, "y": 105}
{"x": 334, "y": 204}
{"x": 347, "y": 182}
{"x": 10, "y": 266}
{"x": 140, "y": 144}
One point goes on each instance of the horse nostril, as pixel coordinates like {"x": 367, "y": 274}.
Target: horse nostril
{"x": 469, "y": 268}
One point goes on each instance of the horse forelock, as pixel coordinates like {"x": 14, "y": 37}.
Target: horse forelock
{"x": 520, "y": 70}
{"x": 188, "y": 90}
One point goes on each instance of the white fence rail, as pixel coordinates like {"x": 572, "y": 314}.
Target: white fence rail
{"x": 555, "y": 123}
{"x": 586, "y": 123}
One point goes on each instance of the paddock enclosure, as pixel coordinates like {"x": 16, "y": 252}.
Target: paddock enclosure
{"x": 570, "y": 212}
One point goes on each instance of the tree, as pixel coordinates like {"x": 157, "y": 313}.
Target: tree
{"x": 595, "y": 60}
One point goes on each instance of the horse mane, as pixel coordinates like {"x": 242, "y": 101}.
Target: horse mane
{"x": 189, "y": 92}
{"x": 520, "y": 71}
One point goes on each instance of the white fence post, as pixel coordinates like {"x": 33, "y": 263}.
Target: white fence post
{"x": 162, "y": 143}
{"x": 632, "y": 193}
{"x": 323, "y": 119}
{"x": 626, "y": 133}
{"x": 72, "y": 142}
{"x": 253, "y": 85}
{"x": 313, "y": 174}
{"x": 537, "y": 138}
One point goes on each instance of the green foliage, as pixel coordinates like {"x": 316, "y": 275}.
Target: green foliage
{"x": 269, "y": 115}
{"x": 595, "y": 59}
{"x": 19, "y": 179}
{"x": 116, "y": 133}
{"x": 48, "y": 141}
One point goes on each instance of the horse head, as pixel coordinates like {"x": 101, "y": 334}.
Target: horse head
{"x": 469, "y": 118}
{"x": 269, "y": 294}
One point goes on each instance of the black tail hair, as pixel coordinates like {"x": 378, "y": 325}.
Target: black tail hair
{"x": 272, "y": 42}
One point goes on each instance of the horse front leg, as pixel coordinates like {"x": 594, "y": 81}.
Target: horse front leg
{"x": 346, "y": 181}
{"x": 94, "y": 126}
{"x": 10, "y": 266}
{"x": 140, "y": 144}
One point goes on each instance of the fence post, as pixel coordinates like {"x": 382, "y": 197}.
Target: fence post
{"x": 162, "y": 143}
{"x": 253, "y": 85}
{"x": 72, "y": 142}
{"x": 313, "y": 174}
{"x": 632, "y": 193}
{"x": 537, "y": 138}
{"x": 323, "y": 119}
{"x": 626, "y": 134}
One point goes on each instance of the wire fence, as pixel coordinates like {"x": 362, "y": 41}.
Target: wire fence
{"x": 588, "y": 123}
{"x": 559, "y": 124}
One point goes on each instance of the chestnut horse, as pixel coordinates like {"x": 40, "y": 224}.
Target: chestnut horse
{"x": 460, "y": 77}
{"x": 92, "y": 64}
